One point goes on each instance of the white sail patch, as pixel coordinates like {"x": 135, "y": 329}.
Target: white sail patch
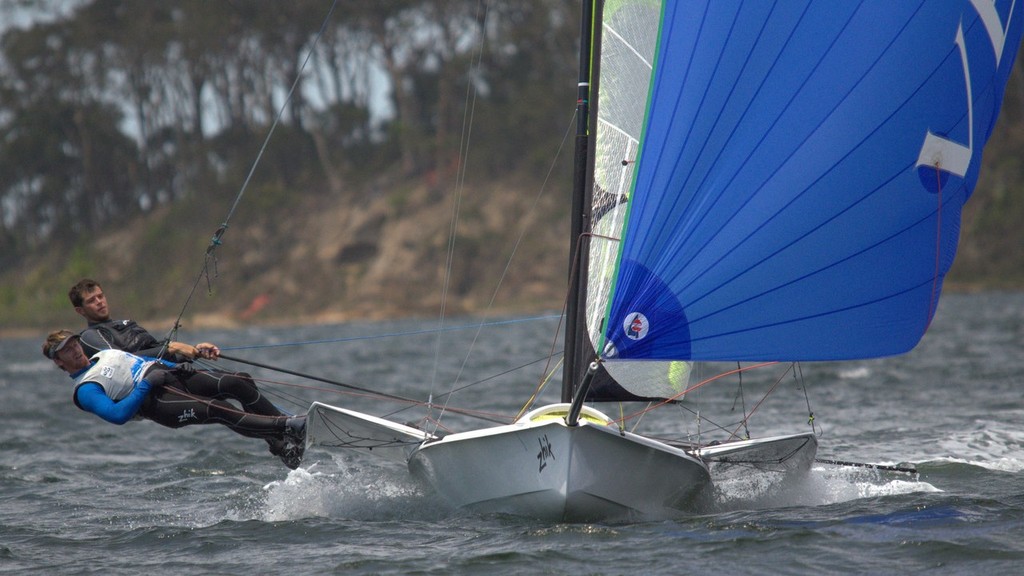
{"x": 636, "y": 326}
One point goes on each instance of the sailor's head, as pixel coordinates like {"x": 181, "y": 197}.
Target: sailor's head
{"x": 63, "y": 347}
{"x": 89, "y": 301}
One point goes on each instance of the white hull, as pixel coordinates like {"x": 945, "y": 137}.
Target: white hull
{"x": 785, "y": 454}
{"x": 539, "y": 467}
{"x": 334, "y": 427}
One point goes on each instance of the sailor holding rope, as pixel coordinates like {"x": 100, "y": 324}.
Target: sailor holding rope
{"x": 119, "y": 386}
{"x": 102, "y": 332}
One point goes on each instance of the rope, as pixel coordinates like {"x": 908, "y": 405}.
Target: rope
{"x": 761, "y": 401}
{"x": 938, "y": 246}
{"x": 216, "y": 240}
{"x": 743, "y": 402}
{"x": 317, "y": 378}
{"x": 696, "y": 386}
{"x": 540, "y": 387}
{"x": 464, "y": 152}
{"x": 799, "y": 376}
{"x": 353, "y": 387}
{"x": 469, "y": 108}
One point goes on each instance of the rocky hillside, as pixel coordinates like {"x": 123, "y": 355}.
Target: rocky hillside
{"x": 288, "y": 257}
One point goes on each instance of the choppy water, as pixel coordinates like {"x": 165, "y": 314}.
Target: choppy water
{"x": 80, "y": 496}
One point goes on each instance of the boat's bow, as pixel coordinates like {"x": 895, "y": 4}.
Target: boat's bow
{"x": 543, "y": 468}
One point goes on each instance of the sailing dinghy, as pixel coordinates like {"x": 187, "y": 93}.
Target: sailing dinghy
{"x": 755, "y": 181}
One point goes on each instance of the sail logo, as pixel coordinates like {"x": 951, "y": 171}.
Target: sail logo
{"x": 939, "y": 151}
{"x": 545, "y": 452}
{"x": 636, "y": 326}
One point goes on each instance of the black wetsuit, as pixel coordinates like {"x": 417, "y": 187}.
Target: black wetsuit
{"x": 124, "y": 335}
{"x": 171, "y": 402}
{"x": 183, "y": 396}
{"x": 128, "y": 336}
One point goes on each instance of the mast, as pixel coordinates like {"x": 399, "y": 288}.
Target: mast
{"x": 579, "y": 195}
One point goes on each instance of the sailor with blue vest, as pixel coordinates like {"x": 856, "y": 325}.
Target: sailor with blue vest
{"x": 119, "y": 386}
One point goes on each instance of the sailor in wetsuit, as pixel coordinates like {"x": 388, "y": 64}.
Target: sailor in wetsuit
{"x": 102, "y": 333}
{"x": 118, "y": 386}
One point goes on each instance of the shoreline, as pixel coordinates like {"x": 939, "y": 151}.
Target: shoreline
{"x": 226, "y": 321}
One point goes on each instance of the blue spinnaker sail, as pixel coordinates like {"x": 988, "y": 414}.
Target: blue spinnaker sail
{"x": 801, "y": 175}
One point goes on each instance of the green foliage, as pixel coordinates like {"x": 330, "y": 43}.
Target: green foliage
{"x": 79, "y": 264}
{"x": 119, "y": 107}
{"x": 39, "y": 295}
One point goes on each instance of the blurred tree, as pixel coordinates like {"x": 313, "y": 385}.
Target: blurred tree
{"x": 65, "y": 165}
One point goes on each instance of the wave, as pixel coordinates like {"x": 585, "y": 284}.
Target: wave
{"x": 822, "y": 485}
{"x": 995, "y": 447}
{"x": 343, "y": 489}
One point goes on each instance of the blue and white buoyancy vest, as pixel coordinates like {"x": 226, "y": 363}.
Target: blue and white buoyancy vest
{"x": 116, "y": 371}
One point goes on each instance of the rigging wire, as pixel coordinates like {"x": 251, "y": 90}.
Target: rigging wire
{"x": 464, "y": 155}
{"x": 798, "y": 374}
{"x": 574, "y": 269}
{"x": 296, "y": 400}
{"x": 515, "y": 250}
{"x": 698, "y": 386}
{"x": 743, "y": 401}
{"x": 546, "y": 375}
{"x": 216, "y": 240}
{"x": 231, "y": 408}
{"x": 469, "y": 109}
{"x": 481, "y": 381}
{"x": 357, "y": 390}
{"x": 317, "y": 378}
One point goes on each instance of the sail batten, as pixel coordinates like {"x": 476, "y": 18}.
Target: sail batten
{"x": 802, "y": 168}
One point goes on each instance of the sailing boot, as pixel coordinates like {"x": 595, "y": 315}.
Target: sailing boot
{"x": 276, "y": 445}
{"x": 294, "y": 442}
{"x": 291, "y": 455}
